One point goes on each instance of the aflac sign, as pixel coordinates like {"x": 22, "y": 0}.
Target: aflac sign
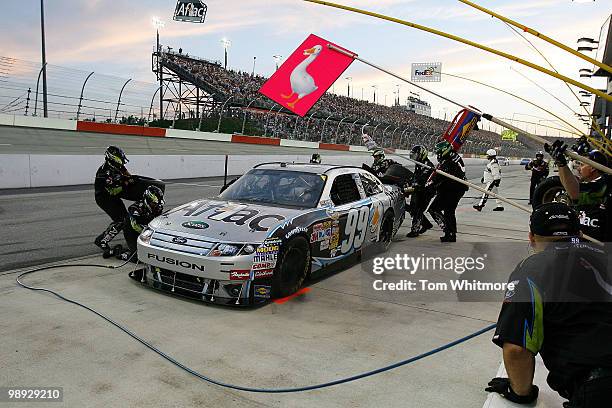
{"x": 190, "y": 11}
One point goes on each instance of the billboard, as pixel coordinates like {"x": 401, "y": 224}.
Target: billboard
{"x": 190, "y": 11}
{"x": 509, "y": 135}
{"x": 426, "y": 72}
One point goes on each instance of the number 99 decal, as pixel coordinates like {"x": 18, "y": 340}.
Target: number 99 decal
{"x": 356, "y": 228}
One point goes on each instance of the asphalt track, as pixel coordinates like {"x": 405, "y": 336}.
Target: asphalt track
{"x": 49, "y": 224}
{"x": 17, "y": 140}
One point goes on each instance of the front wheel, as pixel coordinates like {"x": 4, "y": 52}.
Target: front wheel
{"x": 292, "y": 267}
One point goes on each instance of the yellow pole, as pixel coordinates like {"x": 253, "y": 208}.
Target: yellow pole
{"x": 517, "y": 97}
{"x": 468, "y": 42}
{"x": 539, "y": 35}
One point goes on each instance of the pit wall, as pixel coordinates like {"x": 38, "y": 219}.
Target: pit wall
{"x": 37, "y": 170}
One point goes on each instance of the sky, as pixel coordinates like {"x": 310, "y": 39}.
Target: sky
{"x": 117, "y": 38}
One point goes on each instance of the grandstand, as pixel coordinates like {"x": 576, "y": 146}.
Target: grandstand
{"x": 333, "y": 119}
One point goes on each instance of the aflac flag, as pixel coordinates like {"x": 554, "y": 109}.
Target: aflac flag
{"x": 306, "y": 75}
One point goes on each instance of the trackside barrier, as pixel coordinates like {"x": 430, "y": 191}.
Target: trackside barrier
{"x": 114, "y": 129}
{"x": 7, "y": 120}
{"x": 44, "y": 123}
{"x": 190, "y": 134}
{"x": 42, "y": 170}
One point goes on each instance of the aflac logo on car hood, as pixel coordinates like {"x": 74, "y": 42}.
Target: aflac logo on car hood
{"x": 195, "y": 225}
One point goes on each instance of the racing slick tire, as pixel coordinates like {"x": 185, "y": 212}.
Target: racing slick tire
{"x": 386, "y": 231}
{"x": 548, "y": 190}
{"x": 292, "y": 267}
{"x": 135, "y": 190}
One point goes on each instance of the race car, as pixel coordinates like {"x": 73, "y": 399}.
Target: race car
{"x": 268, "y": 231}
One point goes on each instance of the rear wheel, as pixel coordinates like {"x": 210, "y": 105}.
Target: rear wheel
{"x": 386, "y": 231}
{"x": 549, "y": 190}
{"x": 292, "y": 267}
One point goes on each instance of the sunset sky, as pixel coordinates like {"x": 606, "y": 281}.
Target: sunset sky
{"x": 117, "y": 38}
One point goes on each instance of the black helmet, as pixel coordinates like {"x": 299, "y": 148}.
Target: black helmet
{"x": 539, "y": 154}
{"x": 419, "y": 153}
{"x": 153, "y": 198}
{"x": 583, "y": 147}
{"x": 443, "y": 149}
{"x": 315, "y": 158}
{"x": 115, "y": 157}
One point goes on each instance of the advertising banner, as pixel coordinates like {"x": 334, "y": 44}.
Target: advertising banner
{"x": 190, "y": 11}
{"x": 426, "y": 72}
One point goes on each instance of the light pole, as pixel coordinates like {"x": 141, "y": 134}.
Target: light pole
{"x": 277, "y": 60}
{"x": 374, "y": 87}
{"x": 44, "y": 57}
{"x": 397, "y": 86}
{"x": 348, "y": 86}
{"x": 253, "y": 73}
{"x": 226, "y": 44}
{"x": 158, "y": 23}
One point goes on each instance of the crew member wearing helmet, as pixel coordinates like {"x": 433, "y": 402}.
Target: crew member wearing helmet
{"x": 591, "y": 193}
{"x": 421, "y": 196}
{"x": 448, "y": 192}
{"x": 381, "y": 164}
{"x": 315, "y": 158}
{"x": 111, "y": 179}
{"x": 539, "y": 171}
{"x": 492, "y": 179}
{"x": 140, "y": 214}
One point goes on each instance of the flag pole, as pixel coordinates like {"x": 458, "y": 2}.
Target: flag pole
{"x": 539, "y": 35}
{"x": 469, "y": 42}
{"x": 487, "y": 116}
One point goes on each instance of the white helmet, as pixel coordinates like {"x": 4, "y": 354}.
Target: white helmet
{"x": 491, "y": 153}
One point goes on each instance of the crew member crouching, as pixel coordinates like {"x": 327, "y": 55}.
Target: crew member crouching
{"x": 140, "y": 214}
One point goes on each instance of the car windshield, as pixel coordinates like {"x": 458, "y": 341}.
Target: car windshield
{"x": 277, "y": 187}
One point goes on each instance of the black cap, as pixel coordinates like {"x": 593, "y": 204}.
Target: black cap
{"x": 598, "y": 157}
{"x": 554, "y": 220}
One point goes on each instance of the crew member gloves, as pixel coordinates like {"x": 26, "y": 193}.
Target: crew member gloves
{"x": 502, "y": 387}
{"x": 557, "y": 152}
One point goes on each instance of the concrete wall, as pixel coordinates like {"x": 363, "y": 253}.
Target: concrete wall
{"x": 45, "y": 123}
{"x": 38, "y": 170}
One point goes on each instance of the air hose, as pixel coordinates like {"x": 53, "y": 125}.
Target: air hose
{"x": 228, "y": 385}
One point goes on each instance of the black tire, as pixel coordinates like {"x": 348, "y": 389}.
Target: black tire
{"x": 135, "y": 190}
{"x": 548, "y": 190}
{"x": 386, "y": 231}
{"x": 292, "y": 267}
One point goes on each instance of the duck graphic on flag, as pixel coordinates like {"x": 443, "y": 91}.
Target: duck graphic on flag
{"x": 306, "y": 75}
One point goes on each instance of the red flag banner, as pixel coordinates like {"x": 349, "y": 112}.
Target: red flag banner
{"x": 460, "y": 128}
{"x": 306, "y": 75}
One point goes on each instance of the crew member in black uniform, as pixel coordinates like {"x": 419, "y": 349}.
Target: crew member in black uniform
{"x": 111, "y": 179}
{"x": 381, "y": 164}
{"x": 539, "y": 171}
{"x": 420, "y": 195}
{"x": 559, "y": 304}
{"x": 448, "y": 192}
{"x": 140, "y": 214}
{"x": 591, "y": 193}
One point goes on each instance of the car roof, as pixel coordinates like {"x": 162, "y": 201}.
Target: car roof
{"x": 304, "y": 167}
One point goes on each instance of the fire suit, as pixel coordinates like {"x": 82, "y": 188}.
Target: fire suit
{"x": 491, "y": 178}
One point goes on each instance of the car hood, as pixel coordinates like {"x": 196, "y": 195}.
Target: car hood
{"x": 225, "y": 221}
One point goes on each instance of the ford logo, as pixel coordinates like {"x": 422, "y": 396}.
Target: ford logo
{"x": 195, "y": 224}
{"x": 179, "y": 240}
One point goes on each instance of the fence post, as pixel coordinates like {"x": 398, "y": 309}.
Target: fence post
{"x": 221, "y": 112}
{"x": 81, "y": 97}
{"x": 37, "y": 82}
{"x": 119, "y": 101}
